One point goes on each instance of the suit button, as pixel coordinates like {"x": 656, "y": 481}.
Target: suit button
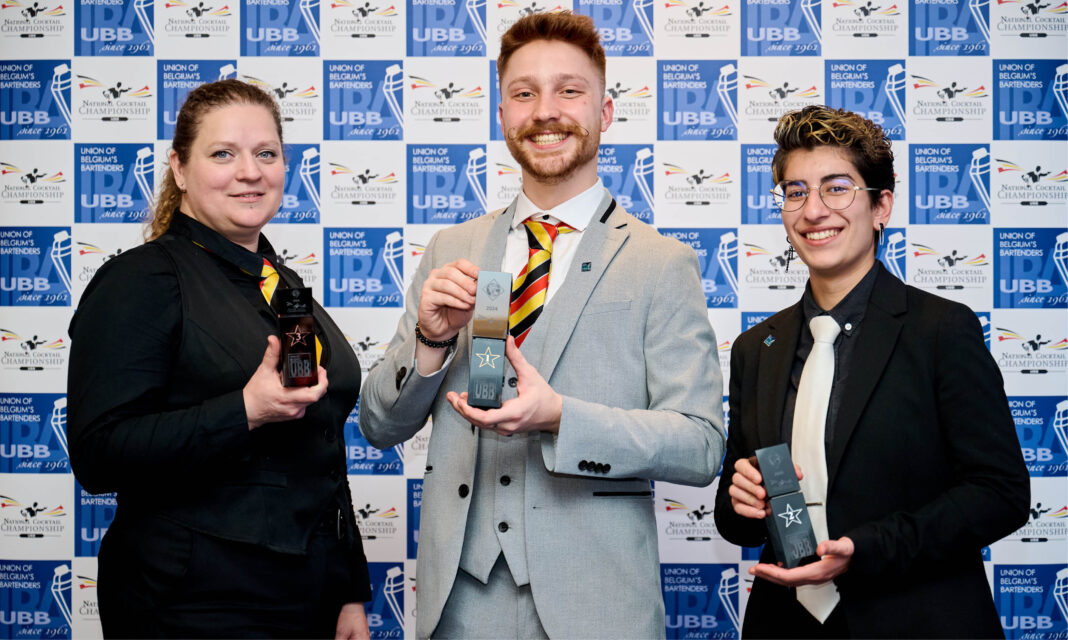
{"x": 607, "y": 467}
{"x": 512, "y": 381}
{"x": 403, "y": 371}
{"x": 583, "y": 464}
{"x": 328, "y": 434}
{"x": 464, "y": 491}
{"x": 334, "y": 474}
{"x": 598, "y": 468}
{"x": 505, "y": 480}
{"x": 503, "y": 527}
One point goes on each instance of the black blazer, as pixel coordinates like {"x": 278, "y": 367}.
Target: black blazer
{"x": 164, "y": 424}
{"x": 924, "y": 469}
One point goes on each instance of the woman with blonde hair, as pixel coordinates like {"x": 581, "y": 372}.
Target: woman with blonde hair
{"x": 234, "y": 517}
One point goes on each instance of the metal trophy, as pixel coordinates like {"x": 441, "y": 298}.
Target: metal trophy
{"x": 789, "y": 526}
{"x": 296, "y": 327}
{"x": 489, "y": 331}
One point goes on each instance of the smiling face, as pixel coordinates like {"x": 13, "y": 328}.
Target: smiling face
{"x": 235, "y": 173}
{"x": 553, "y": 111}
{"x": 837, "y": 246}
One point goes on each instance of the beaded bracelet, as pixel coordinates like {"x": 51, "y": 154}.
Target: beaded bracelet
{"x": 434, "y": 344}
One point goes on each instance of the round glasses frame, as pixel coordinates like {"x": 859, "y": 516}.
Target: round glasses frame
{"x": 837, "y": 200}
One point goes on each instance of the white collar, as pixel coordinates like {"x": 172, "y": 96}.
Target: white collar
{"x": 576, "y": 212}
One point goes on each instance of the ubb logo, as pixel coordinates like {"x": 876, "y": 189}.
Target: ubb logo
{"x": 24, "y": 117}
{"x": 107, "y": 34}
{"x": 272, "y": 34}
{"x": 438, "y": 34}
{"x": 1025, "y": 117}
{"x": 615, "y": 34}
{"x": 773, "y": 34}
{"x": 941, "y": 201}
{"x": 941, "y": 34}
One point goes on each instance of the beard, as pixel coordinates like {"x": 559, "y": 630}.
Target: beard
{"x": 558, "y": 166}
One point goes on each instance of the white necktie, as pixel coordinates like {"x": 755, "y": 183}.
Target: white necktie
{"x": 809, "y": 452}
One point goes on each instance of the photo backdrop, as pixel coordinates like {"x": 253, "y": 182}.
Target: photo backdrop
{"x": 391, "y": 130}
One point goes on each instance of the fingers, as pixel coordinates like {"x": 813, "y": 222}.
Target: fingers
{"x": 450, "y": 285}
{"x": 523, "y": 369}
{"x": 813, "y": 573}
{"x": 478, "y": 417}
{"x": 748, "y": 480}
{"x": 456, "y": 279}
{"x": 841, "y": 547}
{"x": 447, "y": 299}
{"x": 466, "y": 267}
{"x": 504, "y": 420}
{"x": 267, "y": 400}
{"x": 749, "y": 471}
{"x": 321, "y": 386}
{"x": 271, "y": 354}
{"x": 745, "y": 505}
{"x": 747, "y": 493}
{"x": 808, "y": 574}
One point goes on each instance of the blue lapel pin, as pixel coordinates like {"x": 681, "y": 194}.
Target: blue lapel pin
{"x": 767, "y": 341}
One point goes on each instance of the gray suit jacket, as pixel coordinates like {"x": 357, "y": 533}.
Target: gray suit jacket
{"x": 628, "y": 344}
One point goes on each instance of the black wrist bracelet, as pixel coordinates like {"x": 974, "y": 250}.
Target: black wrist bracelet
{"x": 435, "y": 344}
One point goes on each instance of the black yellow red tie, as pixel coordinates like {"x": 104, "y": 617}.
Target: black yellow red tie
{"x": 532, "y": 284}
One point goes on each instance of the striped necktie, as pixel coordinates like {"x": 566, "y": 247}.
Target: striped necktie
{"x": 268, "y": 284}
{"x": 530, "y": 287}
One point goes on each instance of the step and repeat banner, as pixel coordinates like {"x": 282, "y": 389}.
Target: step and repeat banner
{"x": 390, "y": 119}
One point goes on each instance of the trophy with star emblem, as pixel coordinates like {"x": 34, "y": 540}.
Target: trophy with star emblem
{"x": 489, "y": 331}
{"x": 789, "y": 526}
{"x": 297, "y": 332}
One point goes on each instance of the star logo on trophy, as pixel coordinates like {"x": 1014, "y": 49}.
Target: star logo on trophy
{"x": 487, "y": 358}
{"x": 790, "y": 515}
{"x": 297, "y": 336}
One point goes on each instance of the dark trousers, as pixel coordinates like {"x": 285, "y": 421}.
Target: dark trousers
{"x": 164, "y": 580}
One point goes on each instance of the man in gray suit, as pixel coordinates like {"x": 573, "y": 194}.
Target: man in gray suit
{"x": 537, "y": 517}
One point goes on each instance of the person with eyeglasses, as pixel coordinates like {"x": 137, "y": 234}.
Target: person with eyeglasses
{"x": 893, "y": 408}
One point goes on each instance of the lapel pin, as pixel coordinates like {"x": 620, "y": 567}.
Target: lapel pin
{"x": 769, "y": 340}
{"x": 586, "y": 266}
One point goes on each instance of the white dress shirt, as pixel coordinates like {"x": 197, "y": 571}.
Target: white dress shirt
{"x": 576, "y": 212}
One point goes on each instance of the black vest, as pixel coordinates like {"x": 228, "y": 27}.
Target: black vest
{"x": 293, "y": 473}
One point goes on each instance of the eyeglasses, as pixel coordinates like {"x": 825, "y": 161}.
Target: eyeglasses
{"x": 836, "y": 193}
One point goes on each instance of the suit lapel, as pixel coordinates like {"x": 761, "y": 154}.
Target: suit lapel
{"x": 494, "y": 241}
{"x": 875, "y": 344}
{"x": 773, "y": 373}
{"x": 600, "y": 242}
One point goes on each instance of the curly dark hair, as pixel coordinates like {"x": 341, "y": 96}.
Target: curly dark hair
{"x": 821, "y": 126}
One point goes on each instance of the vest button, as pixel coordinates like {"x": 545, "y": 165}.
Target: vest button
{"x": 505, "y": 480}
{"x": 464, "y": 490}
{"x": 512, "y": 381}
{"x": 503, "y": 527}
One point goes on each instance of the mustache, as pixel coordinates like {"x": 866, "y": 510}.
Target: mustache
{"x": 515, "y": 134}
